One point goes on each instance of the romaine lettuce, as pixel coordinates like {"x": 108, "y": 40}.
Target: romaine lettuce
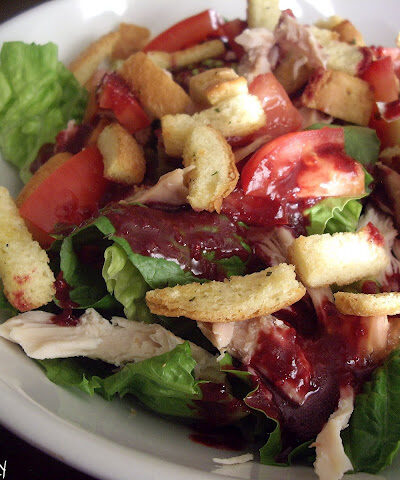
{"x": 38, "y": 96}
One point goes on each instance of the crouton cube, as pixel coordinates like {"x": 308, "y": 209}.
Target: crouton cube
{"x": 123, "y": 157}
{"x": 84, "y": 66}
{"x": 27, "y": 279}
{"x": 341, "y": 258}
{"x": 132, "y": 38}
{"x": 263, "y": 13}
{"x": 329, "y": 23}
{"x": 340, "y": 55}
{"x": 348, "y": 33}
{"x": 156, "y": 90}
{"x": 368, "y": 305}
{"x": 340, "y": 95}
{"x": 293, "y": 72}
{"x": 213, "y": 86}
{"x": 215, "y": 174}
{"x": 240, "y": 115}
{"x": 188, "y": 56}
{"x": 236, "y": 299}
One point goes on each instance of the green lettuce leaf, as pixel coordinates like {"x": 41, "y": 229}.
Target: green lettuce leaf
{"x": 165, "y": 383}
{"x": 333, "y": 215}
{"x": 126, "y": 283}
{"x": 373, "y": 437}
{"x": 38, "y": 96}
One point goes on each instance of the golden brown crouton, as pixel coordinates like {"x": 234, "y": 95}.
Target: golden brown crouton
{"x": 88, "y": 61}
{"x": 156, "y": 90}
{"x": 27, "y": 279}
{"x": 215, "y": 174}
{"x": 341, "y": 258}
{"x": 263, "y": 13}
{"x": 329, "y": 23}
{"x": 188, "y": 56}
{"x": 132, "y": 38}
{"x": 340, "y": 95}
{"x": 123, "y": 157}
{"x": 348, "y": 33}
{"x": 240, "y": 115}
{"x": 368, "y": 305}
{"x": 236, "y": 299}
{"x": 292, "y": 73}
{"x": 213, "y": 86}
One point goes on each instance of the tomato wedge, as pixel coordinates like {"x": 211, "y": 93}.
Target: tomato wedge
{"x": 381, "y": 76}
{"x": 65, "y": 190}
{"x": 303, "y": 165}
{"x": 114, "y": 94}
{"x": 188, "y": 32}
{"x": 282, "y": 115}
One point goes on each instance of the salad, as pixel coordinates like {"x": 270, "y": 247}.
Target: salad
{"x": 209, "y": 226}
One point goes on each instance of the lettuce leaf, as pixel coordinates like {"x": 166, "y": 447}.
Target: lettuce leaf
{"x": 38, "y": 96}
{"x": 164, "y": 384}
{"x": 373, "y": 437}
{"x": 333, "y": 215}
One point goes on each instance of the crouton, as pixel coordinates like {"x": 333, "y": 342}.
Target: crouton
{"x": 390, "y": 157}
{"x": 293, "y": 72}
{"x": 341, "y": 258}
{"x": 340, "y": 95}
{"x": 340, "y": 55}
{"x": 233, "y": 300}
{"x": 84, "y": 66}
{"x": 188, "y": 56}
{"x": 27, "y": 279}
{"x": 156, "y": 90}
{"x": 263, "y": 13}
{"x": 329, "y": 23}
{"x": 215, "y": 174}
{"x": 240, "y": 115}
{"x": 213, "y": 86}
{"x": 348, "y": 33}
{"x": 123, "y": 157}
{"x": 367, "y": 305}
{"x": 132, "y": 38}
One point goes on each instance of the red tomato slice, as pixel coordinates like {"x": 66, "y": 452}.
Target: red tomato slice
{"x": 114, "y": 94}
{"x": 381, "y": 76}
{"x": 231, "y": 30}
{"x": 282, "y": 116}
{"x": 66, "y": 192}
{"x": 392, "y": 52}
{"x": 303, "y": 165}
{"x": 188, "y": 32}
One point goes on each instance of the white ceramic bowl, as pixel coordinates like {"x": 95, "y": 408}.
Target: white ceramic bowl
{"x": 101, "y": 438}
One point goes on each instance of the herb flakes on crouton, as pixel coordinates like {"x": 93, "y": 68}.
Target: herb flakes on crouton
{"x": 341, "y": 258}
{"x": 27, "y": 279}
{"x": 236, "y": 299}
{"x": 368, "y": 305}
{"x": 215, "y": 174}
{"x": 123, "y": 157}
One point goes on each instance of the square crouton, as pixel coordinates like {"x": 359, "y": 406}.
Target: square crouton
{"x": 340, "y": 95}
{"x": 368, "y": 305}
{"x": 84, "y": 66}
{"x": 263, "y": 13}
{"x": 215, "y": 174}
{"x": 348, "y": 33}
{"x": 123, "y": 157}
{"x": 156, "y": 90}
{"x": 341, "y": 258}
{"x": 292, "y": 72}
{"x": 132, "y": 38}
{"x": 235, "y": 116}
{"x": 236, "y": 299}
{"x": 24, "y": 266}
{"x": 213, "y": 86}
{"x": 188, "y": 56}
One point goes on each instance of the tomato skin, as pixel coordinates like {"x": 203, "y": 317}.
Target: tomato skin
{"x": 188, "y": 32}
{"x": 305, "y": 164}
{"x": 381, "y": 76}
{"x": 231, "y": 30}
{"x": 68, "y": 195}
{"x": 282, "y": 115}
{"x": 114, "y": 94}
{"x": 392, "y": 52}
